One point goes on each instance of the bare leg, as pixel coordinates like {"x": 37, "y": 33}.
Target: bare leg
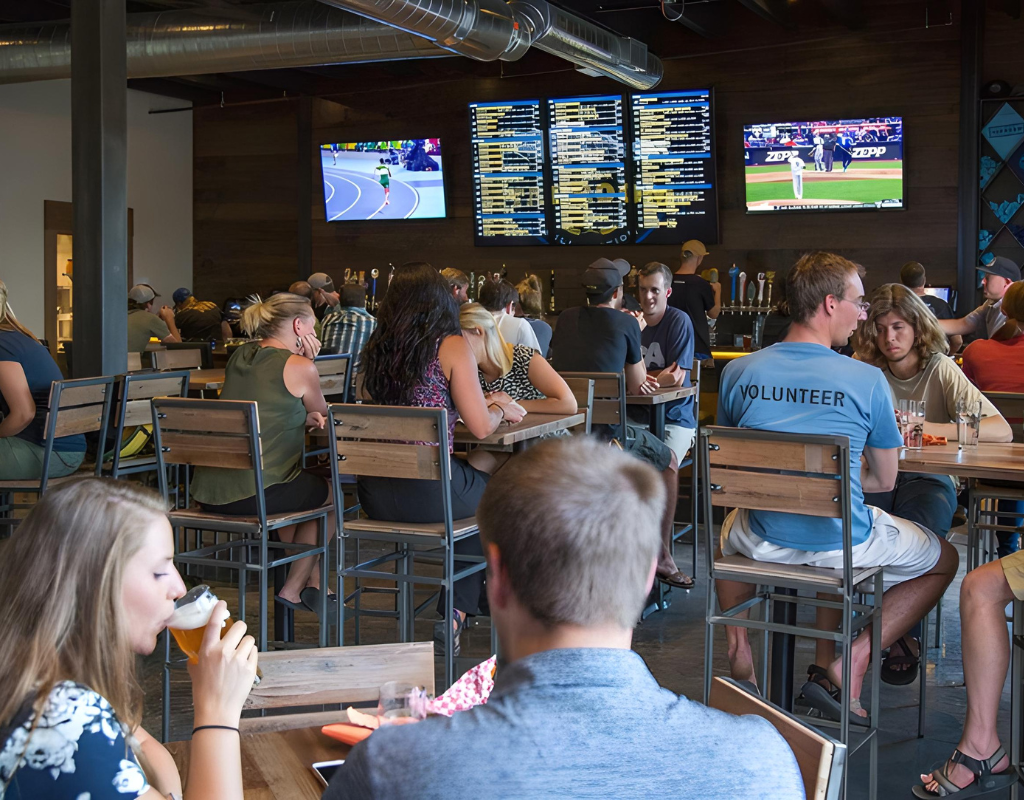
{"x": 487, "y": 460}
{"x": 301, "y": 573}
{"x": 826, "y": 619}
{"x": 986, "y": 653}
{"x": 667, "y": 564}
{"x": 731, "y": 593}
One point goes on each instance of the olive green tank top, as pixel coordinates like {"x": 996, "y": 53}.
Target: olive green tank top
{"x": 257, "y": 373}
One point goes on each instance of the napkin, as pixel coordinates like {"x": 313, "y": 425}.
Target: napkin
{"x": 928, "y": 439}
{"x": 472, "y": 689}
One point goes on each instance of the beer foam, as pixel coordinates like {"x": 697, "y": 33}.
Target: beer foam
{"x": 193, "y": 610}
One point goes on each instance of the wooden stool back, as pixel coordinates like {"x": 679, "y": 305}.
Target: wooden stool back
{"x": 609, "y": 406}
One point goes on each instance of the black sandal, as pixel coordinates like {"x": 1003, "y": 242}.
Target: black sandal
{"x": 818, "y": 698}
{"x": 985, "y": 780}
{"x": 818, "y": 675}
{"x": 460, "y": 624}
{"x": 901, "y": 677}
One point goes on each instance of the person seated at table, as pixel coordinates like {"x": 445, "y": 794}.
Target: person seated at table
{"x": 599, "y": 337}
{"x": 458, "y": 282}
{"x": 198, "y": 320}
{"x": 913, "y": 276}
{"x": 667, "y": 343}
{"x": 800, "y": 385}
{"x": 27, "y": 371}
{"x": 277, "y": 371}
{"x": 500, "y": 298}
{"x": 572, "y": 704}
{"x": 531, "y": 302}
{"x": 347, "y": 327}
{"x": 70, "y": 701}
{"x": 144, "y": 323}
{"x": 979, "y": 763}
{"x": 986, "y": 320}
{"x": 416, "y": 356}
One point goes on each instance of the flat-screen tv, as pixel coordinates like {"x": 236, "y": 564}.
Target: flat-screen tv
{"x": 825, "y": 165}
{"x": 398, "y": 179}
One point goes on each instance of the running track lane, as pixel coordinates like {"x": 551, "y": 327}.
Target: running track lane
{"x": 359, "y": 196}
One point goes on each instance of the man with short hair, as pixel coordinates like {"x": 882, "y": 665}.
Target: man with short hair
{"x": 599, "y": 337}
{"x": 566, "y": 586}
{"x": 800, "y": 385}
{"x": 987, "y": 318}
{"x": 324, "y": 296}
{"x": 667, "y": 344}
{"x": 347, "y": 328}
{"x": 695, "y": 296}
{"x": 198, "y": 320}
{"x": 458, "y": 282}
{"x": 500, "y": 298}
{"x": 912, "y": 275}
{"x": 143, "y": 322}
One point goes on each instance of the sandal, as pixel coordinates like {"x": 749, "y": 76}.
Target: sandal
{"x": 901, "y": 677}
{"x": 311, "y": 599}
{"x": 985, "y": 780}
{"x": 818, "y": 697}
{"x": 460, "y": 624}
{"x": 677, "y": 580}
{"x": 818, "y": 675}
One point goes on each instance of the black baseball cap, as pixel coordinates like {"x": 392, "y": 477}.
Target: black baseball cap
{"x": 603, "y": 275}
{"x": 1002, "y": 267}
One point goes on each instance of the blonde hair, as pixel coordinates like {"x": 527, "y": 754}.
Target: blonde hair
{"x": 578, "y": 526}
{"x": 473, "y": 316}
{"x": 61, "y": 575}
{"x": 895, "y": 297}
{"x": 8, "y": 322}
{"x": 262, "y": 318}
{"x": 531, "y": 300}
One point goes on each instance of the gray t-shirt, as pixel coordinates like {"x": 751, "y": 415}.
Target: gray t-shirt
{"x": 940, "y": 384}
{"x": 142, "y": 325}
{"x": 581, "y": 723}
{"x": 988, "y": 317}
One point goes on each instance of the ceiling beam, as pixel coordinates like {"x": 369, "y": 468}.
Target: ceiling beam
{"x": 171, "y": 88}
{"x": 776, "y": 11}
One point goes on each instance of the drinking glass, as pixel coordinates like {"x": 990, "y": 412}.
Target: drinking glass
{"x": 968, "y": 422}
{"x": 903, "y": 419}
{"x": 914, "y": 436}
{"x": 401, "y": 702}
{"x": 188, "y": 623}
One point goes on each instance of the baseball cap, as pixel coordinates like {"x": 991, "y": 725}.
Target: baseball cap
{"x": 181, "y": 295}
{"x": 1002, "y": 267}
{"x": 141, "y": 293}
{"x": 321, "y": 281}
{"x": 695, "y": 247}
{"x": 603, "y": 275}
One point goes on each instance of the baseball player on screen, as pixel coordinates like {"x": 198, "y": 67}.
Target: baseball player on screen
{"x": 796, "y": 166}
{"x": 819, "y": 148}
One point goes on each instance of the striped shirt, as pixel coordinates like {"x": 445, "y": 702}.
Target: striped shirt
{"x": 346, "y": 329}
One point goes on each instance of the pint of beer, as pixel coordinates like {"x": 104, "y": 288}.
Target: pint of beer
{"x": 191, "y": 616}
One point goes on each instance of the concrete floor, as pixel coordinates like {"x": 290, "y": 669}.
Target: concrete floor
{"x": 671, "y": 642}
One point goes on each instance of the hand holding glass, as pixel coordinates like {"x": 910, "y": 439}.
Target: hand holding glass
{"x": 188, "y": 623}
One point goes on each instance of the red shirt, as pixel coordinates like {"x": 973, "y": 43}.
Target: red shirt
{"x": 996, "y": 366}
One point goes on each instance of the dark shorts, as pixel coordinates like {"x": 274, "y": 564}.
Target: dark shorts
{"x": 647, "y": 447}
{"x": 408, "y": 500}
{"x": 307, "y": 491}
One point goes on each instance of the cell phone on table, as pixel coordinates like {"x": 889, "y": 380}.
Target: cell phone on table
{"x": 325, "y": 770}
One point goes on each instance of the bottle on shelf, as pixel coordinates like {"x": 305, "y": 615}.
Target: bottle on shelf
{"x": 551, "y": 289}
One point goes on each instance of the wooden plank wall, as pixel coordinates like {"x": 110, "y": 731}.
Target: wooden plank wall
{"x": 245, "y": 158}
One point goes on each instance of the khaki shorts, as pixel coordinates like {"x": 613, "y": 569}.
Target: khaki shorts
{"x": 902, "y": 548}
{"x": 1013, "y": 569}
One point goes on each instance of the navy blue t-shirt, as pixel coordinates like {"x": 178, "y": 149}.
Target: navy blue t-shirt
{"x": 40, "y": 372}
{"x": 668, "y": 342}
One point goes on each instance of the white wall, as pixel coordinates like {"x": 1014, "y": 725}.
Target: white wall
{"x": 35, "y": 165}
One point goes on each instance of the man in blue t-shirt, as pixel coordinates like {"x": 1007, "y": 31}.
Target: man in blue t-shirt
{"x": 801, "y": 386}
{"x": 667, "y": 343}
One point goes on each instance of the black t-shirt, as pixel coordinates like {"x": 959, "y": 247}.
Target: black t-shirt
{"x": 694, "y": 295}
{"x": 940, "y": 308}
{"x": 595, "y": 339}
{"x": 199, "y": 322}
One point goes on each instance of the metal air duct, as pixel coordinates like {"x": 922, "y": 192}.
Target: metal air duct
{"x": 164, "y": 44}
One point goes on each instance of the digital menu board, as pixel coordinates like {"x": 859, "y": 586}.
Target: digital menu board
{"x": 588, "y": 170}
{"x": 674, "y": 167}
{"x": 508, "y": 173}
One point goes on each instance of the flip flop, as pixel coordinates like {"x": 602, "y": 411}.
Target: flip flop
{"x": 985, "y": 780}
{"x": 311, "y": 600}
{"x": 818, "y": 698}
{"x": 751, "y": 687}
{"x": 290, "y": 604}
{"x": 677, "y": 580}
{"x": 818, "y": 675}
{"x": 901, "y": 677}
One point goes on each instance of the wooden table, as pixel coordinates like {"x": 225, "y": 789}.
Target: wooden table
{"x": 201, "y": 380}
{"x": 656, "y": 402}
{"x": 276, "y": 766}
{"x": 987, "y": 461}
{"x": 531, "y": 427}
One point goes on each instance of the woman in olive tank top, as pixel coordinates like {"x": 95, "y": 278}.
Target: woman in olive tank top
{"x": 277, "y": 371}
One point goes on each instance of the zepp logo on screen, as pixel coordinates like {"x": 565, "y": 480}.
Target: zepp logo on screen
{"x": 781, "y": 155}
{"x": 868, "y": 152}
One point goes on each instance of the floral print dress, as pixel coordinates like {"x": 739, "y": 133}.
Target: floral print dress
{"x": 77, "y": 750}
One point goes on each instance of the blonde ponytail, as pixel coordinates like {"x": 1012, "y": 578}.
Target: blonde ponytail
{"x": 8, "y": 322}
{"x": 262, "y": 318}
{"x": 473, "y": 316}
{"x": 530, "y": 298}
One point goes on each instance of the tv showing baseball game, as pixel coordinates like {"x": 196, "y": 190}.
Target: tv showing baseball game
{"x": 398, "y": 179}
{"x": 828, "y": 165}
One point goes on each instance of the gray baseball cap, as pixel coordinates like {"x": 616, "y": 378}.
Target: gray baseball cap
{"x": 142, "y": 293}
{"x": 321, "y": 281}
{"x": 1003, "y": 267}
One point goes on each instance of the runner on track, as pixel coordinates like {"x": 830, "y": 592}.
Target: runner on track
{"x": 384, "y": 176}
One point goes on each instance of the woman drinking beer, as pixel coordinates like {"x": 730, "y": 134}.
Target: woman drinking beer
{"x": 88, "y": 583}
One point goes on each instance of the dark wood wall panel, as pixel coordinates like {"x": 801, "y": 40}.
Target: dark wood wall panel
{"x": 813, "y": 73}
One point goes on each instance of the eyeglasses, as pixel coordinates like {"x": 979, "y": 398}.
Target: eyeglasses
{"x": 862, "y": 306}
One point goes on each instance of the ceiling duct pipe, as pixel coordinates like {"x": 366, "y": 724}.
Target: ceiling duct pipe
{"x": 488, "y": 30}
{"x": 170, "y": 43}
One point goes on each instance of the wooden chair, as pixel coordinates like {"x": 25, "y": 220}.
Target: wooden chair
{"x": 1011, "y": 406}
{"x": 75, "y": 407}
{"x": 583, "y": 390}
{"x": 134, "y": 393}
{"x": 680, "y": 530}
{"x": 297, "y": 679}
{"x": 205, "y": 351}
{"x": 821, "y": 758}
{"x": 335, "y": 384}
{"x": 796, "y": 474}
{"x": 189, "y": 358}
{"x": 609, "y": 404}
{"x": 226, "y": 434}
{"x": 401, "y": 442}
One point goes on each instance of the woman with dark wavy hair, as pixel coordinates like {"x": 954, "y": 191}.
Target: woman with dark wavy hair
{"x": 416, "y": 356}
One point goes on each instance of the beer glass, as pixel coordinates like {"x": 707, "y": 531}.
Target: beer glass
{"x": 188, "y": 623}
{"x": 401, "y": 702}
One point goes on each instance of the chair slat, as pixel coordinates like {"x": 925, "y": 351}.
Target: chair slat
{"x": 230, "y": 420}
{"x": 154, "y": 387}
{"x": 178, "y": 359}
{"x": 331, "y": 366}
{"x": 134, "y": 362}
{"x": 390, "y": 460}
{"x": 332, "y": 384}
{"x": 204, "y": 450}
{"x": 606, "y": 412}
{"x": 82, "y": 395}
{"x": 137, "y": 412}
{"x": 606, "y": 388}
{"x": 357, "y": 424}
{"x": 81, "y": 419}
{"x": 816, "y": 497}
{"x": 789, "y": 456}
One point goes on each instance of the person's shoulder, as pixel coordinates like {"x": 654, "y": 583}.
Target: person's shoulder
{"x": 677, "y": 316}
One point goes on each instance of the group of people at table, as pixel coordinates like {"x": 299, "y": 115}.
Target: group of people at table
{"x": 575, "y": 531}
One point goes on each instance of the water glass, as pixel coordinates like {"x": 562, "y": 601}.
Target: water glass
{"x": 968, "y": 422}
{"x": 912, "y": 421}
{"x": 400, "y": 702}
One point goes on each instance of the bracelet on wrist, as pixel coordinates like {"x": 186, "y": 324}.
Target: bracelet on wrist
{"x": 214, "y": 728}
